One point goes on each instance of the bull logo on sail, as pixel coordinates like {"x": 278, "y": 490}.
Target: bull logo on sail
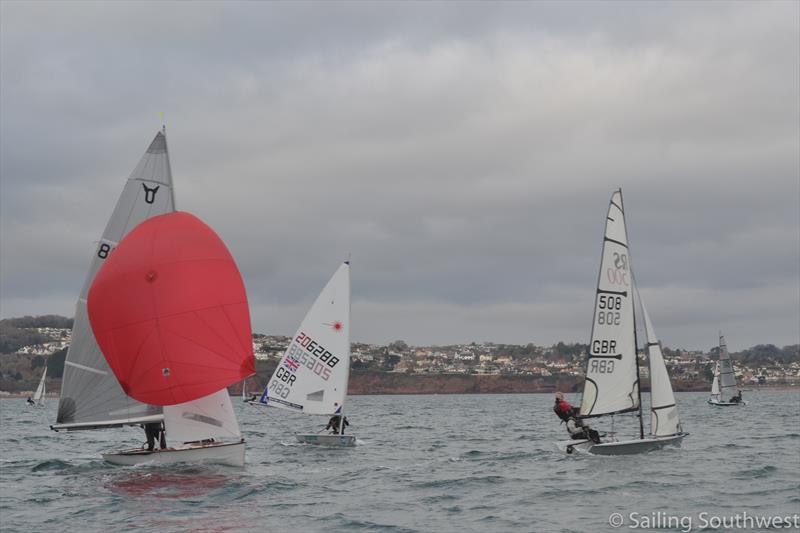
{"x": 150, "y": 194}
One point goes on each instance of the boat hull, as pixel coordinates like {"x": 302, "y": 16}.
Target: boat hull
{"x": 326, "y": 440}
{"x": 628, "y": 447}
{"x": 726, "y": 404}
{"x": 231, "y": 454}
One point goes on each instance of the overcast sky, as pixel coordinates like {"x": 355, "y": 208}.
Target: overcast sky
{"x": 464, "y": 154}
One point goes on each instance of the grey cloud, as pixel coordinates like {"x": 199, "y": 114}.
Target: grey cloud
{"x": 463, "y": 154}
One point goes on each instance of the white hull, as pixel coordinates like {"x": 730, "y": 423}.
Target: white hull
{"x": 231, "y": 454}
{"x": 327, "y": 440}
{"x": 724, "y": 404}
{"x": 628, "y": 447}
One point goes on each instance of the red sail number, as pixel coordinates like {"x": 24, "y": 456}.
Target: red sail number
{"x": 617, "y": 276}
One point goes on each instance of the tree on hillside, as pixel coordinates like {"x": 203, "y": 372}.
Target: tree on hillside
{"x": 55, "y": 363}
{"x": 766, "y": 354}
{"x": 398, "y": 346}
{"x": 13, "y": 338}
{"x": 43, "y": 321}
{"x": 389, "y": 362}
{"x": 37, "y": 362}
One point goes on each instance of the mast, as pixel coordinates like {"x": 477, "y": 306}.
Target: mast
{"x": 635, "y": 340}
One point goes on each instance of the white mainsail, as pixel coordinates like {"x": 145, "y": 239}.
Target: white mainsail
{"x": 727, "y": 379}
{"x": 312, "y": 375}
{"x": 612, "y": 380}
{"x": 210, "y": 417}
{"x": 664, "y": 418}
{"x": 91, "y": 397}
{"x": 38, "y": 396}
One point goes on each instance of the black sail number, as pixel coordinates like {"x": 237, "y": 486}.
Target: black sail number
{"x": 104, "y": 250}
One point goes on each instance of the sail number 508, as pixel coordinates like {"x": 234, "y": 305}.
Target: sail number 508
{"x": 608, "y": 310}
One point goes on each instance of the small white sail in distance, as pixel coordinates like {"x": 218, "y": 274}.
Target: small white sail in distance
{"x": 715, "y": 383}
{"x": 312, "y": 375}
{"x": 41, "y": 390}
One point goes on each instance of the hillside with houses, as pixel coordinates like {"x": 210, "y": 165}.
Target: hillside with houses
{"x": 27, "y": 344}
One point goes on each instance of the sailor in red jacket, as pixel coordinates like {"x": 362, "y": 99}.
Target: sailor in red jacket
{"x": 563, "y": 408}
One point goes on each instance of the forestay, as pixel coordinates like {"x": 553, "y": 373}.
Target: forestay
{"x": 664, "y": 418}
{"x": 612, "y": 381}
{"x": 727, "y": 379}
{"x": 210, "y": 417}
{"x": 90, "y": 394}
{"x": 312, "y": 375}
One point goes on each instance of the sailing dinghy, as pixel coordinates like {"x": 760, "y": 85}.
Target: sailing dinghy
{"x": 91, "y": 397}
{"x": 312, "y": 376}
{"x": 611, "y": 386}
{"x": 38, "y": 396}
{"x": 170, "y": 314}
{"x": 726, "y": 393}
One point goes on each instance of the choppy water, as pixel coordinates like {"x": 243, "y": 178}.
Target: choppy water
{"x": 423, "y": 463}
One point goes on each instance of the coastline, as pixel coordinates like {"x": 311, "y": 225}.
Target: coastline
{"x": 385, "y": 383}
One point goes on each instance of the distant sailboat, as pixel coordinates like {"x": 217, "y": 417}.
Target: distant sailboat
{"x": 170, "y": 314}
{"x": 38, "y": 396}
{"x": 312, "y": 376}
{"x": 612, "y": 376}
{"x": 725, "y": 380}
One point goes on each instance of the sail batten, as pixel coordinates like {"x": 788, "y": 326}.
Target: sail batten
{"x": 89, "y": 390}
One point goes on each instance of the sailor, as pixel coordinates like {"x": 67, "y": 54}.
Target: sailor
{"x": 579, "y": 431}
{"x": 562, "y": 408}
{"x": 335, "y": 423}
{"x": 737, "y": 398}
{"x": 30, "y": 401}
{"x": 153, "y": 431}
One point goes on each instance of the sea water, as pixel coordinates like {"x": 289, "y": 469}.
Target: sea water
{"x": 422, "y": 463}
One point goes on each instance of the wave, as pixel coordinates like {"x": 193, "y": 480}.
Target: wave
{"x": 756, "y": 473}
{"x": 51, "y": 464}
{"x": 460, "y": 482}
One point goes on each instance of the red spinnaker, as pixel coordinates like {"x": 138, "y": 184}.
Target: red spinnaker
{"x": 169, "y": 311}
